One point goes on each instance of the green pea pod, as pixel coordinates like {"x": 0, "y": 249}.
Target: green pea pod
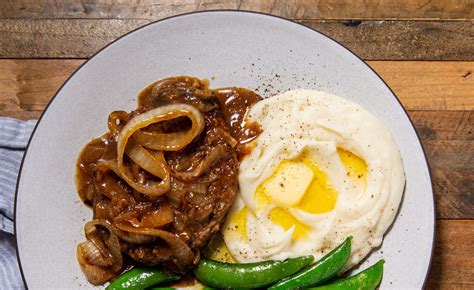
{"x": 141, "y": 278}
{"x": 321, "y": 271}
{"x": 365, "y": 280}
{"x": 250, "y": 275}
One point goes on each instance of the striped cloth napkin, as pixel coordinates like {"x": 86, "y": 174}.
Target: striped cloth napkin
{"x": 14, "y": 135}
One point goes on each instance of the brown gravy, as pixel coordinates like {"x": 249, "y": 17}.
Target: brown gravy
{"x": 234, "y": 104}
{"x": 199, "y": 206}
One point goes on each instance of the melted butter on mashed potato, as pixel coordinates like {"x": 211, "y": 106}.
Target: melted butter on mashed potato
{"x": 322, "y": 169}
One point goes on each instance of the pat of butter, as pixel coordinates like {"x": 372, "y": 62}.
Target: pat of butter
{"x": 288, "y": 183}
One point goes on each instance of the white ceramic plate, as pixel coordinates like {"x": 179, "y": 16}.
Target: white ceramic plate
{"x": 250, "y": 50}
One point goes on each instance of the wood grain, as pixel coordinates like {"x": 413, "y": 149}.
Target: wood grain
{"x": 424, "y": 85}
{"x": 448, "y": 140}
{"x": 452, "y": 169}
{"x": 296, "y": 9}
{"x": 26, "y": 86}
{"x": 453, "y": 259}
{"x": 445, "y": 126}
{"x": 371, "y": 40}
{"x": 435, "y": 126}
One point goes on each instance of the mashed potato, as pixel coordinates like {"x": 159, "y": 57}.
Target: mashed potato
{"x": 323, "y": 169}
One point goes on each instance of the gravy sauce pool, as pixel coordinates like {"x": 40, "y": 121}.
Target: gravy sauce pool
{"x": 235, "y": 103}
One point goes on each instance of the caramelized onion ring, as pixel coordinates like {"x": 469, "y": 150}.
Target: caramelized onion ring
{"x": 100, "y": 261}
{"x": 154, "y": 219}
{"x": 153, "y": 163}
{"x": 181, "y": 251}
{"x": 112, "y": 243}
{"x": 95, "y": 273}
{"x": 158, "y": 218}
{"x": 152, "y": 189}
{"x": 216, "y": 153}
{"x": 162, "y": 141}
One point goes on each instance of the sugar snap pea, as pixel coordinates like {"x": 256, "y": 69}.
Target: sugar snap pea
{"x": 141, "y": 278}
{"x": 248, "y": 275}
{"x": 319, "y": 272}
{"x": 365, "y": 280}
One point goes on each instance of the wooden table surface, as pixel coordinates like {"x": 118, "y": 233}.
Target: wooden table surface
{"x": 423, "y": 49}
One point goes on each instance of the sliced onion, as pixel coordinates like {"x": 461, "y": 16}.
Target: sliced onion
{"x": 126, "y": 236}
{"x": 107, "y": 185}
{"x": 200, "y": 188}
{"x": 201, "y": 213}
{"x": 99, "y": 260}
{"x": 151, "y": 256}
{"x": 176, "y": 193}
{"x": 181, "y": 251}
{"x": 95, "y": 274}
{"x": 217, "y": 153}
{"x": 153, "y": 189}
{"x": 112, "y": 243}
{"x": 135, "y": 238}
{"x": 170, "y": 83}
{"x": 158, "y": 218}
{"x": 93, "y": 255}
{"x": 227, "y": 137}
{"x": 200, "y": 87}
{"x": 163, "y": 141}
{"x": 154, "y": 219}
{"x": 154, "y": 163}
{"x": 128, "y": 218}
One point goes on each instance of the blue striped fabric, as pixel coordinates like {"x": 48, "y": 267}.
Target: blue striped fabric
{"x": 14, "y": 136}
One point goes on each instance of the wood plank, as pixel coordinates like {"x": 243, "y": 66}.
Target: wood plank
{"x": 453, "y": 259}
{"x": 297, "y": 9}
{"x": 448, "y": 140}
{"x": 371, "y": 40}
{"x": 60, "y": 38}
{"x": 454, "y": 125}
{"x": 452, "y": 170}
{"x": 449, "y": 145}
{"x": 421, "y": 85}
{"x": 454, "y": 190}
{"x": 26, "y": 86}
